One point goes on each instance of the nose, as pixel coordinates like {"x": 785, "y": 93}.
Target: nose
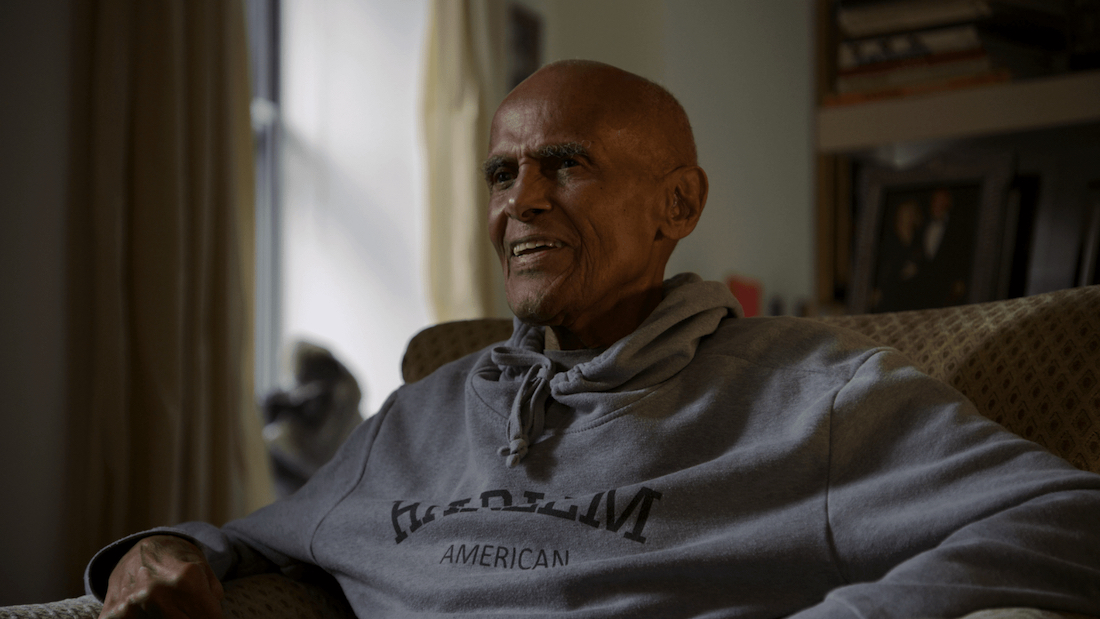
{"x": 529, "y": 195}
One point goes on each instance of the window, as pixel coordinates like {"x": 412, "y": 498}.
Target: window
{"x": 347, "y": 223}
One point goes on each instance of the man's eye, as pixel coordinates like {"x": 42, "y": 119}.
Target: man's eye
{"x": 568, "y": 163}
{"x": 501, "y": 176}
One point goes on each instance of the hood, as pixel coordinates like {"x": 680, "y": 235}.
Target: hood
{"x": 656, "y": 351}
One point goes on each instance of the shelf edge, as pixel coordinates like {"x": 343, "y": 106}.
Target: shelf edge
{"x": 998, "y": 108}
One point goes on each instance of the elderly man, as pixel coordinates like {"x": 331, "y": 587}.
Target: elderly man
{"x": 637, "y": 449}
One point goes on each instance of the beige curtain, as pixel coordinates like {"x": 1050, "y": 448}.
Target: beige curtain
{"x": 163, "y": 426}
{"x": 463, "y": 83}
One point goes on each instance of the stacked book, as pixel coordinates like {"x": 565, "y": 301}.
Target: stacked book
{"x": 892, "y": 48}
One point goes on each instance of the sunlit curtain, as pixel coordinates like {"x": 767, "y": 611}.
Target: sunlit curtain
{"x": 163, "y": 425}
{"x": 461, "y": 90}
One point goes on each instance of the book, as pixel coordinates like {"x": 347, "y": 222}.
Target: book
{"x": 912, "y": 62}
{"x": 862, "y": 52}
{"x": 868, "y": 19}
{"x": 960, "y": 51}
{"x": 969, "y": 64}
{"x": 865, "y": 19}
{"x": 955, "y": 83}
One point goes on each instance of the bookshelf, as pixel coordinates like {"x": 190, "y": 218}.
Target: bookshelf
{"x": 1050, "y": 124}
{"x": 1008, "y": 107}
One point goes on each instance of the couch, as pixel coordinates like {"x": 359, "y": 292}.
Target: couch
{"x": 1031, "y": 364}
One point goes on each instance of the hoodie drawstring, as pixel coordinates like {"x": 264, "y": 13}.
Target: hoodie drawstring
{"x": 528, "y": 415}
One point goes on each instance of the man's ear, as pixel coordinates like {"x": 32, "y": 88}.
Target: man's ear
{"x": 689, "y": 195}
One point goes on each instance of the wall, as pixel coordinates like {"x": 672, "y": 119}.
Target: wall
{"x": 34, "y": 71}
{"x": 629, "y": 34}
{"x": 744, "y": 72}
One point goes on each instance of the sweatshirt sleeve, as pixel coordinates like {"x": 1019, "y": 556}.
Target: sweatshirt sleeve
{"x": 276, "y": 537}
{"x": 935, "y": 511}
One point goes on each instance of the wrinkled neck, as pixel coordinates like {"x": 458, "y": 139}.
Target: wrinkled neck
{"x": 551, "y": 341}
{"x": 602, "y": 329}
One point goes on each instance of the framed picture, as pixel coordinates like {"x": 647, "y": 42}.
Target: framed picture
{"x": 933, "y": 235}
{"x": 1088, "y": 268}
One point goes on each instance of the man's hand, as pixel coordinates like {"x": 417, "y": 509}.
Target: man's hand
{"x": 163, "y": 576}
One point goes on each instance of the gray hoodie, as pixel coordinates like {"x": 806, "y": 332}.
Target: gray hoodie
{"x": 705, "y": 465}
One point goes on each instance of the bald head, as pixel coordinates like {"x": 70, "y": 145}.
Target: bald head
{"x": 592, "y": 182}
{"x": 623, "y": 99}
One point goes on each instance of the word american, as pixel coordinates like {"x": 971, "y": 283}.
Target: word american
{"x": 504, "y": 557}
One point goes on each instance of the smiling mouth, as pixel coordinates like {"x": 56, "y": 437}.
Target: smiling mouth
{"x": 530, "y": 247}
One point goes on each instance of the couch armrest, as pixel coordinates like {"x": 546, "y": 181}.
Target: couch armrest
{"x": 277, "y": 597}
{"x": 76, "y": 608}
{"x": 265, "y": 596}
{"x": 1022, "y": 613}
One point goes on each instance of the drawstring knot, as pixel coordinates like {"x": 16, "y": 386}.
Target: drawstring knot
{"x": 528, "y": 415}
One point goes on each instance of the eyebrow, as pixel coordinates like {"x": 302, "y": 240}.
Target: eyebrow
{"x": 562, "y": 151}
{"x": 550, "y": 151}
{"x": 491, "y": 164}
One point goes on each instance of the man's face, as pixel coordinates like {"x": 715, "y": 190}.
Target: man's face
{"x": 573, "y": 207}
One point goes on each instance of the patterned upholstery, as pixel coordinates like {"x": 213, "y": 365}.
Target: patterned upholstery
{"x": 448, "y": 341}
{"x": 266, "y": 596}
{"x": 1031, "y": 364}
{"x": 1022, "y": 613}
{"x": 77, "y": 608}
{"x": 276, "y": 596}
{"x": 251, "y": 593}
